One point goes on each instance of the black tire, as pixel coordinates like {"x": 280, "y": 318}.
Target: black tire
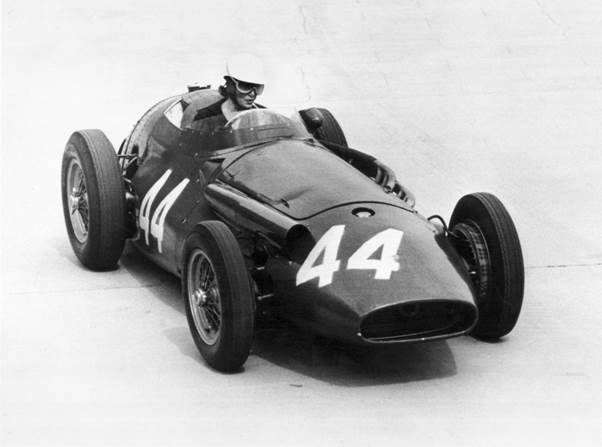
{"x": 330, "y": 130}
{"x": 93, "y": 199}
{"x": 218, "y": 298}
{"x": 484, "y": 234}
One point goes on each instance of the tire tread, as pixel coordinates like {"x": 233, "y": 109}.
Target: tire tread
{"x": 234, "y": 344}
{"x": 331, "y": 129}
{"x": 107, "y": 220}
{"x": 499, "y": 314}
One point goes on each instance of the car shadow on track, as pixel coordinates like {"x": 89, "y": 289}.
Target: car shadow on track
{"x": 162, "y": 284}
{"x": 289, "y": 347}
{"x": 348, "y": 365}
{"x": 166, "y": 288}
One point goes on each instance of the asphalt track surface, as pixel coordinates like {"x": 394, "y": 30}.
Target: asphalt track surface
{"x": 457, "y": 97}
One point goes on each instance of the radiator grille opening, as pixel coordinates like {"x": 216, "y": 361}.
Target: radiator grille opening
{"x": 418, "y": 320}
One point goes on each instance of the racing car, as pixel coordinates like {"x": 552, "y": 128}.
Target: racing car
{"x": 277, "y": 212}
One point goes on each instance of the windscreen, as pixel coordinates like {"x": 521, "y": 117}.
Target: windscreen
{"x": 247, "y": 127}
{"x": 251, "y": 126}
{"x": 249, "y": 119}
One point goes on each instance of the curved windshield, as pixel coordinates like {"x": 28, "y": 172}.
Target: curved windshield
{"x": 249, "y": 127}
{"x": 256, "y": 125}
{"x": 258, "y": 117}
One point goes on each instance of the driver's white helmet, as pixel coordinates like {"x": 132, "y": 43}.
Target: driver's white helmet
{"x": 246, "y": 68}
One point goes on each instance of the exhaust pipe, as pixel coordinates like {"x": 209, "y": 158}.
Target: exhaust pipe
{"x": 249, "y": 214}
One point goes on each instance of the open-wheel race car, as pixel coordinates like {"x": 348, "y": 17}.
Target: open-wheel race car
{"x": 276, "y": 212}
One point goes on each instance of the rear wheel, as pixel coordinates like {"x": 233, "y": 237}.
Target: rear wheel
{"x": 218, "y": 297}
{"x": 485, "y": 236}
{"x": 330, "y": 130}
{"x": 93, "y": 199}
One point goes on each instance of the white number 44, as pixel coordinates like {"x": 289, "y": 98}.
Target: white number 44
{"x": 328, "y": 247}
{"x": 155, "y": 225}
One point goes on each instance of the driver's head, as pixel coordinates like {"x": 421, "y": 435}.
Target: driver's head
{"x": 245, "y": 79}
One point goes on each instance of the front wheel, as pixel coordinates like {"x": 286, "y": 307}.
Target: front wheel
{"x": 483, "y": 233}
{"x": 330, "y": 130}
{"x": 93, "y": 199}
{"x": 218, "y": 297}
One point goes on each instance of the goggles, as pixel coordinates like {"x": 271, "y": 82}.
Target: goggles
{"x": 245, "y": 88}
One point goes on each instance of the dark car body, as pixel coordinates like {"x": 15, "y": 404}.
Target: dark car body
{"x": 324, "y": 244}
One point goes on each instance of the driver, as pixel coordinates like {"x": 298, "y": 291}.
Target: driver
{"x": 244, "y": 82}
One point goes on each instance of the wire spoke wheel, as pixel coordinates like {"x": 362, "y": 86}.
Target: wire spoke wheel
{"x": 471, "y": 244}
{"x": 204, "y": 297}
{"x": 94, "y": 201}
{"x": 218, "y": 297}
{"x": 78, "y": 201}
